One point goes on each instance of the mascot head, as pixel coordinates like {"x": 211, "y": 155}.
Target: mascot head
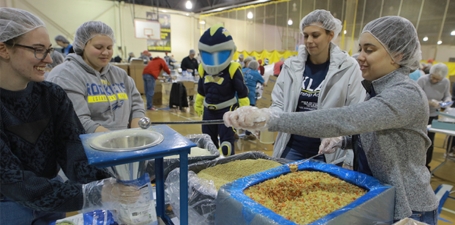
{"x": 217, "y": 49}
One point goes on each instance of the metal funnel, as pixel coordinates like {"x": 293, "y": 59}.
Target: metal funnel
{"x": 126, "y": 140}
{"x": 128, "y": 171}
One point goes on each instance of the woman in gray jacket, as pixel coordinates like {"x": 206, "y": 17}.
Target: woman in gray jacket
{"x": 392, "y": 122}
{"x": 321, "y": 76}
{"x": 104, "y": 96}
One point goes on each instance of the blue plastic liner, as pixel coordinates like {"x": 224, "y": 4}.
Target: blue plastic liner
{"x": 375, "y": 207}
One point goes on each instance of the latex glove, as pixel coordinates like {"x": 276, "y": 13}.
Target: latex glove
{"x": 445, "y": 104}
{"x": 434, "y": 103}
{"x": 108, "y": 194}
{"x": 330, "y": 145}
{"x": 248, "y": 118}
{"x": 199, "y": 104}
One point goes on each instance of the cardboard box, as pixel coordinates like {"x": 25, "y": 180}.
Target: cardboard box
{"x": 190, "y": 87}
{"x": 264, "y": 102}
{"x": 166, "y": 93}
{"x": 158, "y": 95}
{"x": 123, "y": 66}
{"x": 136, "y": 68}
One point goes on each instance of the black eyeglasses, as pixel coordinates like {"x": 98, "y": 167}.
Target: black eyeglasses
{"x": 40, "y": 52}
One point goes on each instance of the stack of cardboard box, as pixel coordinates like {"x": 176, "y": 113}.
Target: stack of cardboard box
{"x": 266, "y": 100}
{"x": 136, "y": 69}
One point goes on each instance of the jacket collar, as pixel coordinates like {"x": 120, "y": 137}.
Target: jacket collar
{"x": 375, "y": 87}
{"x": 337, "y": 58}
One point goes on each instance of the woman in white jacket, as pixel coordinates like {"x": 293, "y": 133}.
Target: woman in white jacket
{"x": 321, "y": 76}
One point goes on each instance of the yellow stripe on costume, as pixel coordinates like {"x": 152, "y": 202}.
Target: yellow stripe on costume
{"x": 212, "y": 79}
{"x": 234, "y": 67}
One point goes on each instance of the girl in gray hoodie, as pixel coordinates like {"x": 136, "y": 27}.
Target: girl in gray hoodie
{"x": 104, "y": 96}
{"x": 392, "y": 122}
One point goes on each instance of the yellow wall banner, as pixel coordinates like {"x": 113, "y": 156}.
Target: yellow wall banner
{"x": 164, "y": 44}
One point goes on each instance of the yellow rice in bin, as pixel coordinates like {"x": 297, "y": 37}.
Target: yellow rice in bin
{"x": 222, "y": 174}
{"x": 304, "y": 196}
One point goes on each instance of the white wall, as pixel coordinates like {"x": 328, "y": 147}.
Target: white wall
{"x": 64, "y": 17}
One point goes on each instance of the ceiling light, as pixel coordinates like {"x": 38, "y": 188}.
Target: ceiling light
{"x": 188, "y": 4}
{"x": 439, "y": 42}
{"x": 202, "y": 22}
{"x": 425, "y": 38}
{"x": 345, "y": 31}
{"x": 249, "y": 15}
{"x": 290, "y": 22}
{"x": 452, "y": 33}
{"x": 187, "y": 14}
{"x": 163, "y": 10}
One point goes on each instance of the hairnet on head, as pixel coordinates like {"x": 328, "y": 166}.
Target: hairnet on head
{"x": 399, "y": 38}
{"x": 324, "y": 19}
{"x": 89, "y": 30}
{"x": 192, "y": 51}
{"x": 16, "y": 22}
{"x": 439, "y": 69}
{"x": 254, "y": 65}
{"x": 62, "y": 39}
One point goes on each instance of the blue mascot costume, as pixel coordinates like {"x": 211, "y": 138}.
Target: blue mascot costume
{"x": 220, "y": 81}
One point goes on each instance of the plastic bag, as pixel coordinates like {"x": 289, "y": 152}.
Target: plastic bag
{"x": 202, "y": 193}
{"x": 202, "y": 141}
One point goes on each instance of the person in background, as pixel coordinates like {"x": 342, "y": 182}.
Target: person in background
{"x": 261, "y": 67}
{"x": 246, "y": 61}
{"x": 266, "y": 61}
{"x": 416, "y": 74}
{"x": 104, "y": 96}
{"x": 130, "y": 56}
{"x": 67, "y": 48}
{"x": 321, "y": 76}
{"x": 116, "y": 59}
{"x": 221, "y": 82}
{"x": 57, "y": 59}
{"x": 189, "y": 63}
{"x": 437, "y": 89}
{"x": 167, "y": 59}
{"x": 240, "y": 60}
{"x": 145, "y": 56}
{"x": 252, "y": 78}
{"x": 39, "y": 134}
{"x": 392, "y": 122}
{"x": 149, "y": 75}
{"x": 277, "y": 67}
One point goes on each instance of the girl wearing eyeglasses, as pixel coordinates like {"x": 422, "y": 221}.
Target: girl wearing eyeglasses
{"x": 39, "y": 134}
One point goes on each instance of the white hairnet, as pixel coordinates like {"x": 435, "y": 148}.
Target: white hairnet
{"x": 254, "y": 65}
{"x": 324, "y": 19}
{"x": 399, "y": 38}
{"x": 89, "y": 30}
{"x": 439, "y": 69}
{"x": 16, "y": 22}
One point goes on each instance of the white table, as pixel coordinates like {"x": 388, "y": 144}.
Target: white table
{"x": 449, "y": 144}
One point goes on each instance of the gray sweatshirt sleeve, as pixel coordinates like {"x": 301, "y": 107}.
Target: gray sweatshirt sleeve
{"x": 76, "y": 91}
{"x": 137, "y": 104}
{"x": 447, "y": 95}
{"x": 393, "y": 108}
